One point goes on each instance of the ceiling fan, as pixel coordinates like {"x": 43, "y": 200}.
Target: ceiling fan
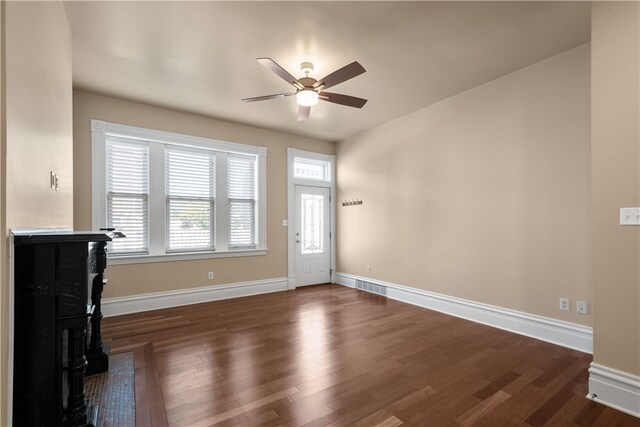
{"x": 309, "y": 90}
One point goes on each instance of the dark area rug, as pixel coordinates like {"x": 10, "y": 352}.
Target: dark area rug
{"x": 114, "y": 392}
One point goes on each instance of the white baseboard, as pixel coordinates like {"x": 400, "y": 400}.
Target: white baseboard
{"x": 571, "y": 335}
{"x": 158, "y": 300}
{"x": 614, "y": 388}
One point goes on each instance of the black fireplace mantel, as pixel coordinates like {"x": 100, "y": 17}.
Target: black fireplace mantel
{"x": 56, "y": 273}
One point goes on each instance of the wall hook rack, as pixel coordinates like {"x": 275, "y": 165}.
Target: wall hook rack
{"x": 351, "y": 202}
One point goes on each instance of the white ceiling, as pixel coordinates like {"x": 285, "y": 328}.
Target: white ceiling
{"x": 199, "y": 57}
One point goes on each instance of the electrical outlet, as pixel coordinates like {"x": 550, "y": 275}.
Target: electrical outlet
{"x": 629, "y": 216}
{"x": 564, "y": 304}
{"x": 368, "y": 269}
{"x": 581, "y": 307}
{"x": 210, "y": 275}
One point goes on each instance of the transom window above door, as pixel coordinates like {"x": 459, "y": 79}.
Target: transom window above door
{"x": 305, "y": 168}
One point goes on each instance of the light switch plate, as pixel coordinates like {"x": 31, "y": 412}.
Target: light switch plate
{"x": 629, "y": 216}
{"x": 285, "y": 223}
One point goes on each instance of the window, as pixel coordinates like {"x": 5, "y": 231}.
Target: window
{"x": 312, "y": 230}
{"x": 128, "y": 194}
{"x": 190, "y": 196}
{"x": 242, "y": 202}
{"x": 304, "y": 168}
{"x": 176, "y": 196}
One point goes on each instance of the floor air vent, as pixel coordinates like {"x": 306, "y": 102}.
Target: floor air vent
{"x": 374, "y": 288}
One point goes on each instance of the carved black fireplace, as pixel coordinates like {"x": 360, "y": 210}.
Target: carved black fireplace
{"x": 58, "y": 284}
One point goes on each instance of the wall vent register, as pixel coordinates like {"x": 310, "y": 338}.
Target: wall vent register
{"x": 373, "y": 288}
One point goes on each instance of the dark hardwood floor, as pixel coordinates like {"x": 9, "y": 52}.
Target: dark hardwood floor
{"x": 329, "y": 355}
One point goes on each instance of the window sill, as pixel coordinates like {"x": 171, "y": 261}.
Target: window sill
{"x": 144, "y": 259}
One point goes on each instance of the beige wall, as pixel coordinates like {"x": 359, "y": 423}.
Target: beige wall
{"x": 37, "y": 134}
{"x": 39, "y": 119}
{"x": 615, "y": 148}
{"x": 483, "y": 196}
{"x": 145, "y": 278}
{"x": 4, "y": 277}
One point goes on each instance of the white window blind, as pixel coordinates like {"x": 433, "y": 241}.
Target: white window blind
{"x": 127, "y": 167}
{"x": 242, "y": 201}
{"x": 190, "y": 191}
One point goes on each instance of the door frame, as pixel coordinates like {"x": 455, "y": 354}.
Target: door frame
{"x": 292, "y": 181}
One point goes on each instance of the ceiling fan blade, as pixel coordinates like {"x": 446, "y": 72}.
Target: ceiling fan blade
{"x": 281, "y": 72}
{"x": 303, "y": 113}
{"x": 337, "y": 98}
{"x": 264, "y": 98}
{"x": 343, "y": 74}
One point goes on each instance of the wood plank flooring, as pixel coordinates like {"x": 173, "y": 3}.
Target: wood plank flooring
{"x": 333, "y": 356}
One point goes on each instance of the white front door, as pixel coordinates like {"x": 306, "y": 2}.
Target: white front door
{"x": 312, "y": 231}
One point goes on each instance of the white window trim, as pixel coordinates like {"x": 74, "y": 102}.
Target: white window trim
{"x": 99, "y": 131}
{"x": 292, "y": 181}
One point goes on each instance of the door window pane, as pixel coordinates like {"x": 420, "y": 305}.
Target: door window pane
{"x": 311, "y": 236}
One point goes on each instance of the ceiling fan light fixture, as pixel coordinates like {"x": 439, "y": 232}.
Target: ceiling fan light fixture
{"x": 307, "y": 97}
{"x": 308, "y": 90}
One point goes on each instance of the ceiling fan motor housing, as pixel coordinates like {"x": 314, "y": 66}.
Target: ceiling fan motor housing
{"x": 307, "y": 82}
